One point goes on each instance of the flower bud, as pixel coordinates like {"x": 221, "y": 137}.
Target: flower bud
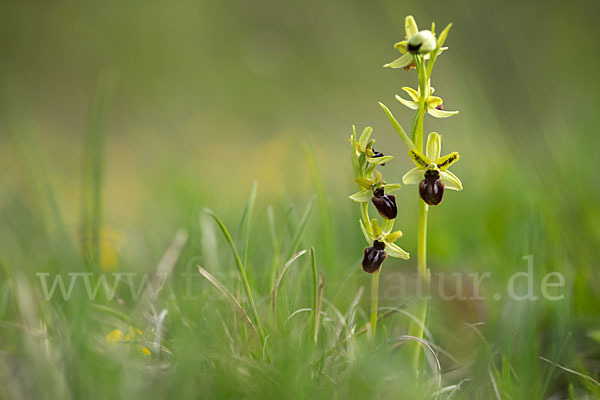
{"x": 431, "y": 189}
{"x": 422, "y": 43}
{"x": 385, "y": 204}
{"x": 374, "y": 257}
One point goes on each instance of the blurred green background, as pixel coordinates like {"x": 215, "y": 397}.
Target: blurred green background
{"x": 208, "y": 97}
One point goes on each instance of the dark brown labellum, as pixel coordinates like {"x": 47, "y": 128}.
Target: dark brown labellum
{"x": 374, "y": 257}
{"x": 377, "y": 154}
{"x": 385, "y": 204}
{"x": 431, "y": 189}
{"x": 414, "y": 49}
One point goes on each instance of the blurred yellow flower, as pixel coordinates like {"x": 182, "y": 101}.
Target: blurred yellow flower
{"x": 116, "y": 336}
{"x": 109, "y": 244}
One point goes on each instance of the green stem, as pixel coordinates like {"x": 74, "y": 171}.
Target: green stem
{"x": 422, "y": 245}
{"x": 422, "y": 97}
{"x": 374, "y": 301}
{"x": 423, "y": 276}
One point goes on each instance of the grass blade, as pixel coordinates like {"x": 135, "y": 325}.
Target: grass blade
{"x": 301, "y": 227}
{"x": 164, "y": 269}
{"x": 280, "y": 277}
{"x": 93, "y": 170}
{"x": 229, "y": 296}
{"x": 246, "y": 221}
{"x": 241, "y": 270}
{"x": 315, "y": 285}
{"x": 572, "y": 371}
{"x": 318, "y": 306}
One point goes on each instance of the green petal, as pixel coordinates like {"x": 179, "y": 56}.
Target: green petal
{"x": 364, "y": 138}
{"x": 413, "y": 176}
{"x": 413, "y": 105}
{"x": 376, "y": 229}
{"x": 434, "y": 101}
{"x": 414, "y": 95}
{"x": 392, "y": 187}
{"x": 445, "y": 162}
{"x": 450, "y": 180}
{"x": 392, "y": 237}
{"x": 434, "y": 112}
{"x": 362, "y": 197}
{"x": 394, "y": 251}
{"x": 377, "y": 177}
{"x": 401, "y": 46}
{"x": 434, "y": 146}
{"x": 410, "y": 26}
{"x": 379, "y": 160}
{"x": 419, "y": 159}
{"x": 366, "y": 234}
{"x": 365, "y": 183}
{"x": 401, "y": 62}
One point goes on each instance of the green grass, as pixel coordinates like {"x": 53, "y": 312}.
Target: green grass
{"x": 218, "y": 344}
{"x": 139, "y": 171}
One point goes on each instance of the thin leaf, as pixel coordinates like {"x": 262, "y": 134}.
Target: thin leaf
{"x": 409, "y": 143}
{"x": 301, "y": 228}
{"x": 246, "y": 221}
{"x": 280, "y": 277}
{"x": 318, "y": 306}
{"x": 315, "y": 284}
{"x": 229, "y": 296}
{"x": 272, "y": 229}
{"x": 241, "y": 270}
{"x": 164, "y": 268}
{"x": 93, "y": 169}
{"x": 572, "y": 371}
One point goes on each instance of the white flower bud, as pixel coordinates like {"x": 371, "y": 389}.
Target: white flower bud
{"x": 422, "y": 42}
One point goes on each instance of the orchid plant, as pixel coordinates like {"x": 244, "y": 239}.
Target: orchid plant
{"x": 420, "y": 50}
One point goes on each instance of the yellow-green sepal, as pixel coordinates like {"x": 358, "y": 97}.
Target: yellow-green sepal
{"x": 434, "y": 112}
{"x": 392, "y": 187}
{"x": 450, "y": 180}
{"x": 394, "y": 250}
{"x": 379, "y": 160}
{"x": 413, "y": 176}
{"x": 364, "y": 183}
{"x": 364, "y": 138}
{"x": 401, "y": 62}
{"x": 410, "y": 26}
{"x": 361, "y": 197}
